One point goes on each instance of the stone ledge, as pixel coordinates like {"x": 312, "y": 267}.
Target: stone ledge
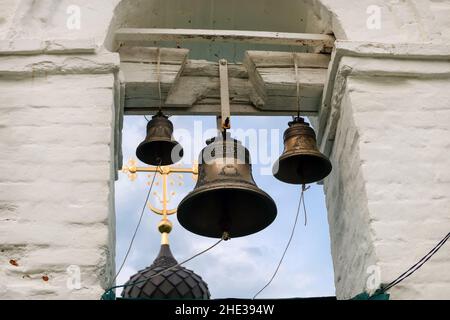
{"x": 38, "y": 46}
{"x": 426, "y": 51}
{"x": 367, "y": 59}
{"x": 42, "y": 65}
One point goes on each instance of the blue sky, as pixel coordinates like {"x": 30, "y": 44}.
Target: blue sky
{"x": 241, "y": 267}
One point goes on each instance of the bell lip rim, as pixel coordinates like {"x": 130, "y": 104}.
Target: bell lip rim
{"x": 292, "y": 153}
{"x": 173, "y": 142}
{"x": 284, "y": 156}
{"x": 220, "y": 185}
{"x": 251, "y": 190}
{"x": 139, "y": 153}
{"x": 163, "y": 164}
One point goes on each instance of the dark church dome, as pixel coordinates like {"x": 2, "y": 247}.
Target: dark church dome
{"x": 178, "y": 283}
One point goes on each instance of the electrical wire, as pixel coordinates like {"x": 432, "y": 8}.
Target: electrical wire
{"x": 289, "y": 242}
{"x": 137, "y": 227}
{"x": 167, "y": 269}
{"x": 418, "y": 265}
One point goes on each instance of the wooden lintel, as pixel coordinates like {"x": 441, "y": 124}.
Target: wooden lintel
{"x": 264, "y": 84}
{"x": 169, "y": 56}
{"x": 143, "y": 37}
{"x": 214, "y": 109}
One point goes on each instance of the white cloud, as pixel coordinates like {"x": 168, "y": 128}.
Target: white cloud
{"x": 240, "y": 267}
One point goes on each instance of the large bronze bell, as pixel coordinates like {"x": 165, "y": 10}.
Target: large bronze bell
{"x": 301, "y": 161}
{"x": 159, "y": 147}
{"x": 226, "y": 198}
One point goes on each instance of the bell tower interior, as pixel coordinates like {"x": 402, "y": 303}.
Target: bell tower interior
{"x": 170, "y": 52}
{"x": 78, "y": 76}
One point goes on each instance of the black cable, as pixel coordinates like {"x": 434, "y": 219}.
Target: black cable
{"x": 167, "y": 269}
{"x": 288, "y": 244}
{"x": 424, "y": 259}
{"x": 418, "y": 265}
{"x": 410, "y": 271}
{"x": 137, "y": 227}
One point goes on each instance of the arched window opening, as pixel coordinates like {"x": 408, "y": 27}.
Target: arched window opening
{"x": 262, "y": 85}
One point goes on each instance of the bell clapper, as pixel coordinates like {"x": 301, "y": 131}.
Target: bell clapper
{"x": 226, "y": 236}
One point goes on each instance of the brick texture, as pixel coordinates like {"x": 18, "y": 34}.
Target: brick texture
{"x": 56, "y": 172}
{"x": 389, "y": 196}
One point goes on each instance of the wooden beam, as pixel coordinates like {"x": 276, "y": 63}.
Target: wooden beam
{"x": 273, "y": 76}
{"x": 140, "y": 69}
{"x": 212, "y": 108}
{"x": 192, "y": 87}
{"x": 275, "y": 59}
{"x": 169, "y": 56}
{"x": 264, "y": 84}
{"x": 144, "y": 37}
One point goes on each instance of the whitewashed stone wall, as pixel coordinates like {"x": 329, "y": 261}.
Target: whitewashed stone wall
{"x": 348, "y": 214}
{"x": 56, "y": 182}
{"x": 385, "y": 123}
{"x": 389, "y": 195}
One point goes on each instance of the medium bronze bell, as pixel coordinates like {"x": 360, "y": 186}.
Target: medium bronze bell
{"x": 301, "y": 161}
{"x": 226, "y": 198}
{"x": 159, "y": 147}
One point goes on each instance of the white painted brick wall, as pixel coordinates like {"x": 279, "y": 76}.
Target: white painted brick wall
{"x": 351, "y": 242}
{"x": 56, "y": 176}
{"x": 389, "y": 196}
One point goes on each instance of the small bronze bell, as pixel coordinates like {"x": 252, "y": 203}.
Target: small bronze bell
{"x": 226, "y": 198}
{"x": 159, "y": 148}
{"x": 301, "y": 161}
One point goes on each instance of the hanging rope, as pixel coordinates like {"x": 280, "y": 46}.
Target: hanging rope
{"x": 417, "y": 266}
{"x": 158, "y": 75}
{"x": 304, "y": 189}
{"x": 158, "y": 79}
{"x": 297, "y": 79}
{"x": 137, "y": 227}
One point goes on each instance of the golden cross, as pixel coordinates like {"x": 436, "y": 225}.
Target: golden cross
{"x": 131, "y": 170}
{"x": 165, "y": 226}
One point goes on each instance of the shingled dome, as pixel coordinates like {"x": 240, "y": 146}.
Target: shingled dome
{"x": 178, "y": 283}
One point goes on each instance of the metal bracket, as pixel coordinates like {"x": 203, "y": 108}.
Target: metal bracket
{"x": 225, "y": 120}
